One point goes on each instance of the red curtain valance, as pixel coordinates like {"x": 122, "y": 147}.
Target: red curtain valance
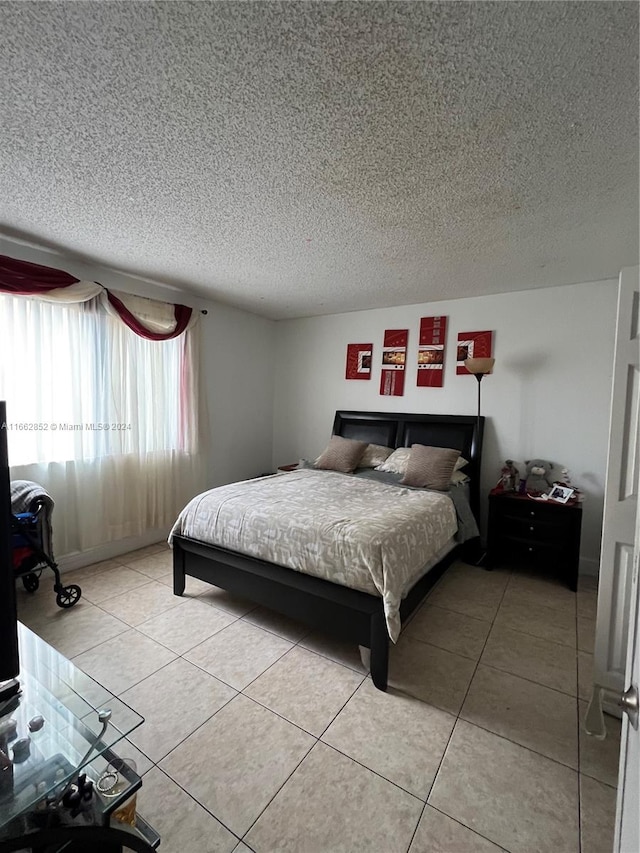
{"x": 182, "y": 315}
{"x": 27, "y": 279}
{"x": 22, "y": 277}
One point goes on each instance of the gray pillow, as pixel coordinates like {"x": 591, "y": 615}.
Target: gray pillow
{"x": 341, "y": 454}
{"x": 430, "y": 467}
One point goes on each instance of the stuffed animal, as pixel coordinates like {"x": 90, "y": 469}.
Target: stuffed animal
{"x": 538, "y": 474}
{"x": 509, "y": 476}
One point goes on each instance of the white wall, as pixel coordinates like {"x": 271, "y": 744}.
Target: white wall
{"x": 548, "y": 397}
{"x": 237, "y": 376}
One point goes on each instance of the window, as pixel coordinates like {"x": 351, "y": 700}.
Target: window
{"x": 105, "y": 420}
{"x": 80, "y": 385}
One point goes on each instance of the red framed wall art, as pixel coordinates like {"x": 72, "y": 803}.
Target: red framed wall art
{"x": 472, "y": 345}
{"x": 394, "y": 358}
{"x": 433, "y": 332}
{"x": 359, "y": 361}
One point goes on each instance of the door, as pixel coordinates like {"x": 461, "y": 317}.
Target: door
{"x": 615, "y": 602}
{"x": 628, "y": 803}
{"x": 616, "y": 653}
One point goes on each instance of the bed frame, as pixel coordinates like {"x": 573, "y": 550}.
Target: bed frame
{"x": 352, "y": 615}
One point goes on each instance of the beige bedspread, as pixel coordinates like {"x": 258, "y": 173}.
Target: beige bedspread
{"x": 365, "y": 535}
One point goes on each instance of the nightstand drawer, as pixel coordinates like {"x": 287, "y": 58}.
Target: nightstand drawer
{"x": 533, "y": 512}
{"x": 537, "y": 529}
{"x": 530, "y": 549}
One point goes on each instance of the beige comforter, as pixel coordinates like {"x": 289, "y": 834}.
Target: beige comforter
{"x": 362, "y": 534}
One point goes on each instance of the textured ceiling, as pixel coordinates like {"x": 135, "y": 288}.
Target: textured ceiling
{"x": 308, "y": 158}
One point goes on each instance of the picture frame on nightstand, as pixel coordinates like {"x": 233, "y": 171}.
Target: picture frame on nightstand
{"x": 561, "y": 493}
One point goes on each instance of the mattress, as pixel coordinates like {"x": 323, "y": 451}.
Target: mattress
{"x": 370, "y": 536}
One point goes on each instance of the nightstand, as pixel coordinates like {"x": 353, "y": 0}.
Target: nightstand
{"x": 540, "y": 533}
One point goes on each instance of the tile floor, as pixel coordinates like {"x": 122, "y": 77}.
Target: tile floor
{"x": 260, "y": 736}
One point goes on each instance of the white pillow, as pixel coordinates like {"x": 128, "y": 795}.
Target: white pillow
{"x": 397, "y": 462}
{"x": 375, "y": 454}
{"x": 461, "y": 462}
{"x": 459, "y": 477}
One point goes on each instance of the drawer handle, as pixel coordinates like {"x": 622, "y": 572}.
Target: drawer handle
{"x": 532, "y": 512}
{"x": 531, "y": 528}
{"x": 530, "y": 550}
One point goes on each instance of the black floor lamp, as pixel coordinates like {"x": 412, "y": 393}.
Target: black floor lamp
{"x": 479, "y": 367}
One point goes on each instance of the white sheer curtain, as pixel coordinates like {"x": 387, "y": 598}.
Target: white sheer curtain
{"x": 106, "y": 421}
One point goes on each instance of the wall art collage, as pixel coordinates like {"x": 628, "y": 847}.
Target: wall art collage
{"x": 431, "y": 356}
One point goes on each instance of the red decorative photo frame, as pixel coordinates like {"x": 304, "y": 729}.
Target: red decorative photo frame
{"x": 359, "y": 361}
{"x": 433, "y": 333}
{"x": 394, "y": 359}
{"x": 472, "y": 345}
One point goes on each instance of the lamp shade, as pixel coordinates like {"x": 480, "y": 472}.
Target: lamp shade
{"x": 479, "y": 365}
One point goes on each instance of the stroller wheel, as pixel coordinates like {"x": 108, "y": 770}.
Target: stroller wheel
{"x": 68, "y": 595}
{"x": 30, "y": 582}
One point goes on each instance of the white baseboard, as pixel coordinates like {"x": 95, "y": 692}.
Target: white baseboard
{"x": 109, "y": 551}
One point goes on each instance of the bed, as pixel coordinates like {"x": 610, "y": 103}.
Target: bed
{"x": 359, "y": 615}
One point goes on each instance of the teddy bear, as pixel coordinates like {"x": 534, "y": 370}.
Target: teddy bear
{"x": 538, "y": 472}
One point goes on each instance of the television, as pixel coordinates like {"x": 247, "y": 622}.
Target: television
{"x": 9, "y": 661}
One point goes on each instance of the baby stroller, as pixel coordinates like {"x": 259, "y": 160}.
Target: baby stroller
{"x": 31, "y": 540}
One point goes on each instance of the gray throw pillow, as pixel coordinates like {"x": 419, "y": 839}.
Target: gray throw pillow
{"x": 341, "y": 454}
{"x": 430, "y": 467}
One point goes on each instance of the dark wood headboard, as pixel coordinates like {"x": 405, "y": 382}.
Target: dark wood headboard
{"x": 391, "y": 429}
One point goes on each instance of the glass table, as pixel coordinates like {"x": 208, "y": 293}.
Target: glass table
{"x": 62, "y": 722}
